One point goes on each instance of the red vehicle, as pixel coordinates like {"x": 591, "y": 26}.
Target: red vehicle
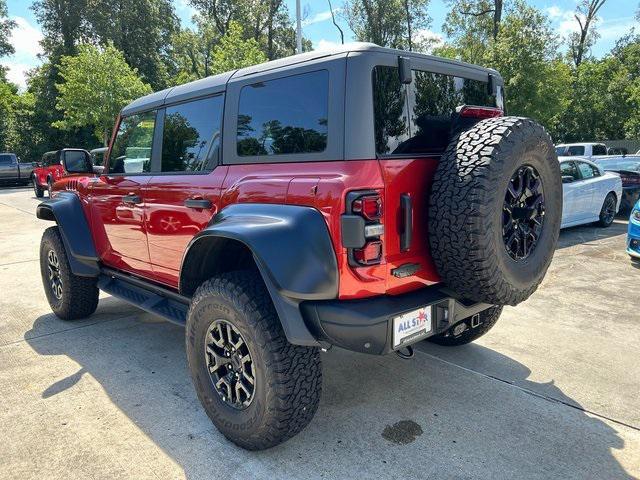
{"x": 367, "y": 198}
{"x": 48, "y": 171}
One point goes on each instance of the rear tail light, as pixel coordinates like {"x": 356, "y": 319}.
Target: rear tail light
{"x": 370, "y": 254}
{"x": 630, "y": 179}
{"x": 369, "y": 206}
{"x": 362, "y": 228}
{"x": 479, "y": 112}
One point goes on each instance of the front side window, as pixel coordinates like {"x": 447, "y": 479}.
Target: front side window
{"x": 284, "y": 116}
{"x": 6, "y": 159}
{"x": 575, "y": 150}
{"x": 587, "y": 171}
{"x": 76, "y": 161}
{"x": 191, "y": 137}
{"x": 131, "y": 151}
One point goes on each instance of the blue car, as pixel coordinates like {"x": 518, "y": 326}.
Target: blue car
{"x": 633, "y": 237}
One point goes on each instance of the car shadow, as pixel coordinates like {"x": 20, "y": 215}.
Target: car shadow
{"x": 585, "y": 234}
{"x": 451, "y": 422}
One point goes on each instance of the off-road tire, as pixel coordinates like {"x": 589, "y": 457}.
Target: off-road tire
{"x": 466, "y": 208}
{"x": 79, "y": 294}
{"x": 37, "y": 189}
{"x": 488, "y": 319}
{"x": 605, "y": 219}
{"x": 288, "y": 379}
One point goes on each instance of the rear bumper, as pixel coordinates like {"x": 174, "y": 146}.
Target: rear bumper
{"x": 367, "y": 325}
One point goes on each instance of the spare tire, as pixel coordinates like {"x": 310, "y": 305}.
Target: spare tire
{"x": 495, "y": 209}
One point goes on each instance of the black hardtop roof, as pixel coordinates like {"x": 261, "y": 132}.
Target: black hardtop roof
{"x": 217, "y": 83}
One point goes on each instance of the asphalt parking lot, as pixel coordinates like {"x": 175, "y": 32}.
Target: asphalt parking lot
{"x": 553, "y": 391}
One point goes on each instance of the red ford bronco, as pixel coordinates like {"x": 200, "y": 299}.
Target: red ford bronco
{"x": 366, "y": 198}
{"x": 49, "y": 170}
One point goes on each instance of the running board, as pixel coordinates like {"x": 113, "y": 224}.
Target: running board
{"x": 148, "y": 297}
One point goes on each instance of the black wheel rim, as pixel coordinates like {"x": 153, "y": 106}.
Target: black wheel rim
{"x": 55, "y": 280}
{"x": 229, "y": 364}
{"x": 609, "y": 209}
{"x": 523, "y": 213}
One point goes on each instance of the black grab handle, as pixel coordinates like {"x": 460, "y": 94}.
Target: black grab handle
{"x": 407, "y": 222}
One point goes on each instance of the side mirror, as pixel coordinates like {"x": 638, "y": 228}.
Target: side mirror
{"x": 567, "y": 179}
{"x": 77, "y": 161}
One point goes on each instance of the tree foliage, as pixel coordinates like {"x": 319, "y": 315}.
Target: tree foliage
{"x": 97, "y": 83}
{"x": 6, "y": 26}
{"x": 389, "y": 23}
{"x": 201, "y": 53}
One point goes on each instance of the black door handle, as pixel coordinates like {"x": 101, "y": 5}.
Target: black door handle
{"x": 197, "y": 203}
{"x": 132, "y": 198}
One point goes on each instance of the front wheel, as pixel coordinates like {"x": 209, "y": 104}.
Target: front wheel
{"x": 468, "y": 329}
{"x": 70, "y": 296}
{"x": 608, "y": 210}
{"x": 37, "y": 189}
{"x": 256, "y": 387}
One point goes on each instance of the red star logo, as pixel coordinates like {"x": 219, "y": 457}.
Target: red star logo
{"x": 422, "y": 317}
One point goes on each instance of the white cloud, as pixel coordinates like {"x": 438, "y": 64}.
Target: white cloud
{"x": 554, "y": 12}
{"x": 25, "y": 39}
{"x": 616, "y": 27}
{"x": 17, "y": 73}
{"x": 325, "y": 45}
{"x": 320, "y": 17}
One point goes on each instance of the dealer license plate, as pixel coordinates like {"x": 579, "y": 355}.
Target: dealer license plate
{"x": 410, "y": 326}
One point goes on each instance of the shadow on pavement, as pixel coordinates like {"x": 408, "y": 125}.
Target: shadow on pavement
{"x": 585, "y": 234}
{"x": 468, "y": 425}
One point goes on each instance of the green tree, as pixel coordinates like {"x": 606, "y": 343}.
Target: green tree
{"x": 6, "y": 26}
{"x": 141, "y": 29}
{"x": 472, "y": 26}
{"x": 97, "y": 84}
{"x": 265, "y": 21}
{"x": 526, "y": 54}
{"x": 202, "y": 53}
{"x": 388, "y": 23}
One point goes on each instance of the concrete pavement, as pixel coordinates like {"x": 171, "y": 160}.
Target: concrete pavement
{"x": 553, "y": 391}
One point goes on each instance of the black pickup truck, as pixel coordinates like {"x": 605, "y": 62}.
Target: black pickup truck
{"x": 14, "y": 171}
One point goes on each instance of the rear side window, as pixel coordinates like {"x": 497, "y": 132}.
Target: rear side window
{"x": 569, "y": 169}
{"x": 599, "y": 150}
{"x": 191, "y": 136}
{"x": 131, "y": 151}
{"x": 389, "y": 110}
{"x": 284, "y": 116}
{"x": 421, "y": 118}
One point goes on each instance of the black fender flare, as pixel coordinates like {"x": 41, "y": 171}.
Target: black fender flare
{"x": 292, "y": 248}
{"x": 66, "y": 210}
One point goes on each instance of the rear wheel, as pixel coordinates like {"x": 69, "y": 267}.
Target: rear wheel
{"x": 468, "y": 329}
{"x": 608, "y": 210}
{"x": 257, "y": 388}
{"x": 70, "y": 296}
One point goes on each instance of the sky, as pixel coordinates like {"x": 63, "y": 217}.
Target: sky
{"x": 616, "y": 18}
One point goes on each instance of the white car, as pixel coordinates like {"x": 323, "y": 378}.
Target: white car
{"x": 589, "y": 193}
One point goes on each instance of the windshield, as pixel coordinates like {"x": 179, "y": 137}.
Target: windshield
{"x": 620, "y": 164}
{"x": 569, "y": 151}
